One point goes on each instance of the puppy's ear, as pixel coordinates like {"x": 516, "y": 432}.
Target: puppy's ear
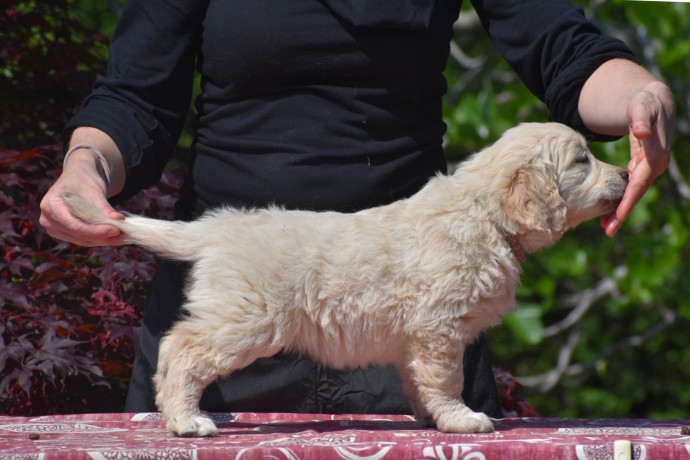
{"x": 532, "y": 200}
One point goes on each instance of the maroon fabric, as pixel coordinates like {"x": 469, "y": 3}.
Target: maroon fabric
{"x": 305, "y": 436}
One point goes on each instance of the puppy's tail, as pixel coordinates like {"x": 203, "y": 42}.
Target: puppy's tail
{"x": 172, "y": 240}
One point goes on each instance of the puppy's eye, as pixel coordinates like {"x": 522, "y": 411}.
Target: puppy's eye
{"x": 582, "y": 159}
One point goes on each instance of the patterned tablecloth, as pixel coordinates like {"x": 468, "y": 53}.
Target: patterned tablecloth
{"x": 304, "y": 436}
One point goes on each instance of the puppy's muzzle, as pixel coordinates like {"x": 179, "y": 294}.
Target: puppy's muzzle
{"x": 616, "y": 189}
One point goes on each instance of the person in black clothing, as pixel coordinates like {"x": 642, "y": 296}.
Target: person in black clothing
{"x": 323, "y": 105}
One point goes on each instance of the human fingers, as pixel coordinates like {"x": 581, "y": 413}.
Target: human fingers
{"x": 651, "y": 123}
{"x": 650, "y": 133}
{"x": 59, "y": 222}
{"x": 641, "y": 178}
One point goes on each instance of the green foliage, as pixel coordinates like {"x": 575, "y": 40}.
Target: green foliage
{"x": 48, "y": 60}
{"x": 602, "y": 324}
{"x": 526, "y": 323}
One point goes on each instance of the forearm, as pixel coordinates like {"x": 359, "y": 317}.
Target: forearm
{"x": 87, "y": 159}
{"x": 606, "y": 95}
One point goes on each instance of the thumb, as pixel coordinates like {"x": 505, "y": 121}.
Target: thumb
{"x": 642, "y": 114}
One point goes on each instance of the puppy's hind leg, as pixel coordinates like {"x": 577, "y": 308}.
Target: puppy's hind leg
{"x": 180, "y": 379}
{"x": 192, "y": 355}
{"x": 437, "y": 372}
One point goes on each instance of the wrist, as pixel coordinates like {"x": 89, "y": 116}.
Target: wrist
{"x": 102, "y": 165}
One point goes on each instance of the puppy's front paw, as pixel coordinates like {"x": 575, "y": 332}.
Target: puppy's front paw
{"x": 198, "y": 426}
{"x": 464, "y": 421}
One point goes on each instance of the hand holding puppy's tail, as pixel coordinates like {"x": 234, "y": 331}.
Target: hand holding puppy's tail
{"x": 86, "y": 210}
{"x": 173, "y": 240}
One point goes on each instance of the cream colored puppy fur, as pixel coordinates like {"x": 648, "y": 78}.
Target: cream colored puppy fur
{"x": 411, "y": 283}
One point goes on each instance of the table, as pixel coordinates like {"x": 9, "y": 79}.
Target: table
{"x": 306, "y": 436}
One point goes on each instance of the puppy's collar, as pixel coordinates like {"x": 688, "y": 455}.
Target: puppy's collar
{"x": 514, "y": 244}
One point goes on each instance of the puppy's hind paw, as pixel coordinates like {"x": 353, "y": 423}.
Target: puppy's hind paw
{"x": 468, "y": 422}
{"x": 199, "y": 426}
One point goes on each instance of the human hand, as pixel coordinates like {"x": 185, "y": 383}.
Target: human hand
{"x": 80, "y": 176}
{"x": 651, "y": 123}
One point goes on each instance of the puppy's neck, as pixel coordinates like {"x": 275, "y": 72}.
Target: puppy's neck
{"x": 514, "y": 243}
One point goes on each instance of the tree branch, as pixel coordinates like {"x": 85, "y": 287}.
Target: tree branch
{"x": 548, "y": 380}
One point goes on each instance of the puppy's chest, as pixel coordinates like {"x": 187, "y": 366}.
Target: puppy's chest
{"x": 471, "y": 290}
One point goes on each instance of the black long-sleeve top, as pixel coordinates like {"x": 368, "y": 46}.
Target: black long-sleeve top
{"x": 315, "y": 104}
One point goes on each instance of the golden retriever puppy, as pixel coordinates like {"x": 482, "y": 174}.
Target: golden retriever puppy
{"x": 411, "y": 283}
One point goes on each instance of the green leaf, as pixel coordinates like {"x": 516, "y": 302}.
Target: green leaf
{"x": 526, "y": 323}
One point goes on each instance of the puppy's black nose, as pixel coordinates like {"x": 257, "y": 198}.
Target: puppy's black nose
{"x": 625, "y": 175}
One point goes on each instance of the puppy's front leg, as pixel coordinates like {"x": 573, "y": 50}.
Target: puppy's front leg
{"x": 437, "y": 371}
{"x": 410, "y": 387}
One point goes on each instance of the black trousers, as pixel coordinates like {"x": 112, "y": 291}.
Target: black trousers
{"x": 287, "y": 383}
